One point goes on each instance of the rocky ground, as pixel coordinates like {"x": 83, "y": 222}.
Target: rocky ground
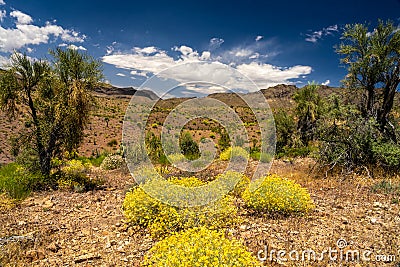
{"x": 87, "y": 229}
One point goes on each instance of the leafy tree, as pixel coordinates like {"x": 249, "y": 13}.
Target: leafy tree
{"x": 188, "y": 146}
{"x": 55, "y": 99}
{"x": 309, "y": 108}
{"x": 224, "y": 141}
{"x": 373, "y": 60}
{"x": 285, "y": 130}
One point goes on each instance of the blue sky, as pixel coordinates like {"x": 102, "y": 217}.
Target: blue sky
{"x": 270, "y": 42}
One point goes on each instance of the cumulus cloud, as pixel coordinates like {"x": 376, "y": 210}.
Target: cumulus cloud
{"x": 22, "y": 18}
{"x": 26, "y": 33}
{"x": 315, "y": 36}
{"x": 74, "y": 47}
{"x": 121, "y": 74}
{"x": 145, "y": 50}
{"x": 327, "y": 82}
{"x": 258, "y": 38}
{"x": 2, "y": 2}
{"x": 211, "y": 69}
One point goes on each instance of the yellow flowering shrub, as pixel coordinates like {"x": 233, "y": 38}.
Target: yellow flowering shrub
{"x": 73, "y": 176}
{"x": 176, "y": 158}
{"x": 163, "y": 219}
{"x": 275, "y": 194}
{"x": 239, "y": 180}
{"x": 199, "y": 247}
{"x": 234, "y": 153}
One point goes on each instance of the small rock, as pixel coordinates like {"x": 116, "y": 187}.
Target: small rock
{"x": 53, "y": 247}
{"x": 243, "y": 227}
{"x": 35, "y": 255}
{"x": 374, "y": 220}
{"x": 48, "y": 204}
{"x": 87, "y": 257}
{"x": 377, "y": 205}
{"x": 345, "y": 220}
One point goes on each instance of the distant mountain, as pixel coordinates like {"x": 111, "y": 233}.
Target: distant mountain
{"x": 110, "y": 90}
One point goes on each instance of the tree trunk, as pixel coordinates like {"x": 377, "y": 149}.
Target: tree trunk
{"x": 44, "y": 159}
{"x": 371, "y": 101}
{"x": 387, "y": 105}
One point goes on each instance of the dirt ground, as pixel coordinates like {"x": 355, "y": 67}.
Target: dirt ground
{"x": 87, "y": 229}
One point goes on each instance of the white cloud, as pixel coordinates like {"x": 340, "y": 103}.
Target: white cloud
{"x": 205, "y": 55}
{"x": 242, "y": 53}
{"x": 26, "y": 33}
{"x": 327, "y": 82}
{"x": 121, "y": 74}
{"x": 254, "y": 56}
{"x": 317, "y": 35}
{"x": 2, "y": 2}
{"x": 145, "y": 50}
{"x": 22, "y": 18}
{"x": 74, "y": 47}
{"x": 258, "y": 38}
{"x": 210, "y": 69}
{"x": 216, "y": 42}
{"x": 3, "y": 14}
{"x": 4, "y": 61}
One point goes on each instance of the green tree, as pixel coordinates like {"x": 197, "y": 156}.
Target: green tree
{"x": 373, "y": 59}
{"x": 224, "y": 141}
{"x": 309, "y": 109}
{"x": 188, "y": 146}
{"x": 55, "y": 99}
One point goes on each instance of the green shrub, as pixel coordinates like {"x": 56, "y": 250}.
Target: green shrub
{"x": 112, "y": 143}
{"x": 17, "y": 181}
{"x": 386, "y": 154}
{"x": 224, "y": 141}
{"x": 112, "y": 162}
{"x": 234, "y": 153}
{"x": 96, "y": 161}
{"x": 199, "y": 247}
{"x": 162, "y": 218}
{"x": 275, "y": 194}
{"x": 189, "y": 147}
{"x": 261, "y": 156}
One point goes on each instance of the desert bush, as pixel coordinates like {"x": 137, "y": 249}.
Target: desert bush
{"x": 163, "y": 219}
{"x": 275, "y": 194}
{"x": 386, "y": 154}
{"x": 73, "y": 176}
{"x": 112, "y": 143}
{"x": 224, "y": 141}
{"x": 112, "y": 162}
{"x": 199, "y": 247}
{"x": 261, "y": 156}
{"x": 17, "y": 181}
{"x": 176, "y": 158}
{"x": 229, "y": 178}
{"x": 189, "y": 147}
{"x": 234, "y": 153}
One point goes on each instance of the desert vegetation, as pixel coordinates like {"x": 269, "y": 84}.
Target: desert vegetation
{"x": 67, "y": 197}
